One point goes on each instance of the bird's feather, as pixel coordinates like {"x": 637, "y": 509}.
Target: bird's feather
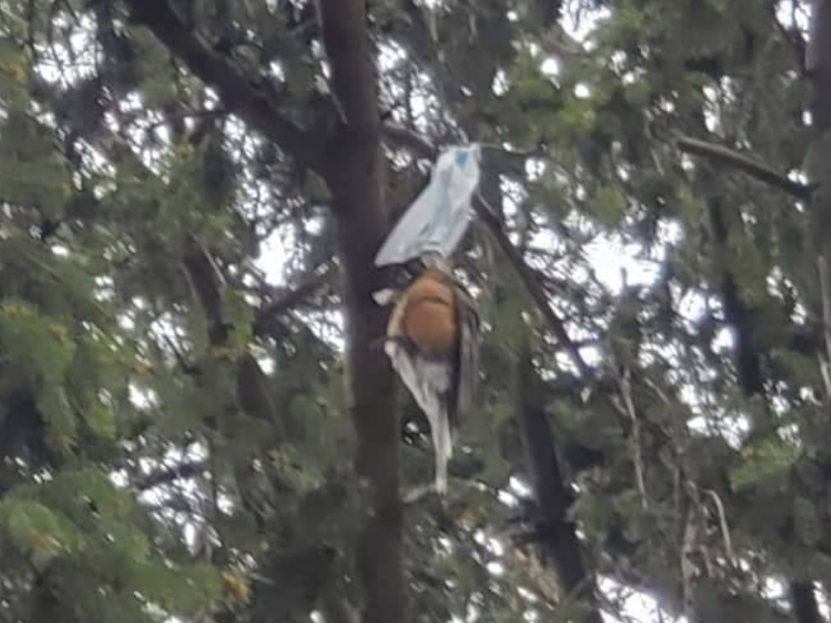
{"x": 429, "y": 382}
{"x": 467, "y": 363}
{"x": 441, "y": 380}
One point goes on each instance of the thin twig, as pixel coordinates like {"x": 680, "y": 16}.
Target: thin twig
{"x": 825, "y": 293}
{"x": 169, "y": 475}
{"x": 722, "y": 520}
{"x": 751, "y": 166}
{"x": 184, "y": 115}
{"x": 628, "y": 408}
{"x": 291, "y": 297}
{"x": 688, "y": 568}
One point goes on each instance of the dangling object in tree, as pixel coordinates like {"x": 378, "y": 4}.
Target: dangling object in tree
{"x": 432, "y": 342}
{"x": 436, "y": 221}
{"x": 433, "y": 331}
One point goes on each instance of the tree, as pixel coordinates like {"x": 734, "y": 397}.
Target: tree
{"x": 648, "y": 255}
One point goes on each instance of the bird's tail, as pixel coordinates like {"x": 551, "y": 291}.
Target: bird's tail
{"x": 443, "y": 448}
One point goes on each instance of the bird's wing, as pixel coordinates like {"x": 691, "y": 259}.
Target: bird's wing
{"x": 429, "y": 380}
{"x": 430, "y": 383}
{"x": 467, "y": 368}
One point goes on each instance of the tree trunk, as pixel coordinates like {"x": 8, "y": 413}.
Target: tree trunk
{"x": 818, "y": 63}
{"x": 354, "y": 171}
{"x": 556, "y": 533}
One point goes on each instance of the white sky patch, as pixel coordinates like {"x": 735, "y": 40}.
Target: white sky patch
{"x": 579, "y": 21}
{"x": 792, "y": 13}
{"x": 329, "y": 327}
{"x": 635, "y": 605}
{"x": 507, "y": 498}
{"x": 519, "y": 487}
{"x": 550, "y": 67}
{"x": 266, "y": 362}
{"x": 733, "y": 428}
{"x": 142, "y": 398}
{"x": 273, "y": 256}
{"x": 611, "y": 258}
{"x": 582, "y": 91}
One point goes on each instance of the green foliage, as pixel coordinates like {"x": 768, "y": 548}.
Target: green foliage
{"x": 155, "y": 464}
{"x": 37, "y": 532}
{"x": 608, "y": 205}
{"x": 14, "y": 70}
{"x": 32, "y": 172}
{"x": 767, "y": 463}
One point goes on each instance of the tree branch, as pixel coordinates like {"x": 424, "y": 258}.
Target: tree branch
{"x": 762, "y": 172}
{"x": 404, "y": 138}
{"x": 818, "y": 63}
{"x": 171, "y": 474}
{"x": 556, "y": 533}
{"x": 208, "y": 284}
{"x": 804, "y": 602}
{"x": 737, "y": 312}
{"x": 239, "y": 93}
{"x": 289, "y": 299}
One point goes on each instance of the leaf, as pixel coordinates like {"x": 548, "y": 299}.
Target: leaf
{"x": 101, "y": 420}
{"x": 61, "y": 424}
{"x": 808, "y": 524}
{"x": 32, "y": 172}
{"x": 766, "y": 463}
{"x": 608, "y": 205}
{"x": 37, "y": 530}
{"x": 29, "y": 340}
{"x": 181, "y": 590}
{"x": 236, "y": 586}
{"x": 14, "y": 75}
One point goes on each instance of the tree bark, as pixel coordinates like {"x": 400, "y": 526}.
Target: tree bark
{"x": 354, "y": 171}
{"x": 818, "y": 63}
{"x": 352, "y": 163}
{"x": 804, "y": 601}
{"x": 818, "y": 69}
{"x": 557, "y": 535}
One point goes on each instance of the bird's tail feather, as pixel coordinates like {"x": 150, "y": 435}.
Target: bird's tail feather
{"x": 443, "y": 448}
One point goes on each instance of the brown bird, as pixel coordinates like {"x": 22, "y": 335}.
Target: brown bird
{"x": 433, "y": 344}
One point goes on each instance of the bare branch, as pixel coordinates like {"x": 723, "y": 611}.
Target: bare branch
{"x": 825, "y": 295}
{"x": 722, "y": 521}
{"x": 290, "y": 298}
{"x": 751, "y": 166}
{"x": 627, "y": 408}
{"x": 555, "y": 530}
{"x": 171, "y": 474}
{"x": 404, "y": 138}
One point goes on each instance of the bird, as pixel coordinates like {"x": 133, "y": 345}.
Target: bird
{"x": 432, "y": 341}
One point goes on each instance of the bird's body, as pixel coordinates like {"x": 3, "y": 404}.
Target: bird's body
{"x": 426, "y": 314}
{"x": 432, "y": 342}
